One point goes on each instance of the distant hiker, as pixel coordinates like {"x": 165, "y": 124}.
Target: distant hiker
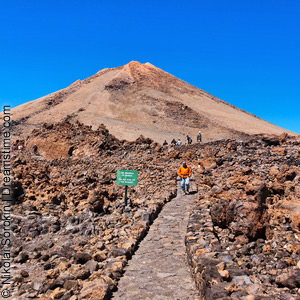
{"x": 34, "y": 148}
{"x": 199, "y": 137}
{"x": 173, "y": 142}
{"x": 189, "y": 139}
{"x": 179, "y": 142}
{"x": 14, "y": 148}
{"x": 185, "y": 173}
{"x": 165, "y": 143}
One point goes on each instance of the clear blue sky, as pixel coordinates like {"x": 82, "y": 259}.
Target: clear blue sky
{"x": 244, "y": 52}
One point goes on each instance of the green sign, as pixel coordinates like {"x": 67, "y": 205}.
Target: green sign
{"x": 127, "y": 177}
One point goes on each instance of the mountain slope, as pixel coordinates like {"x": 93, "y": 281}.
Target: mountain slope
{"x": 141, "y": 99}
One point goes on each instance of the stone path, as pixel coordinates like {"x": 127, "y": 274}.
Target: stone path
{"x": 158, "y": 270}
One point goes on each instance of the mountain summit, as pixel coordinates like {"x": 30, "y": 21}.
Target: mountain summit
{"x": 140, "y": 99}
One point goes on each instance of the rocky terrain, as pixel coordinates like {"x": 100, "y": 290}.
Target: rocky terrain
{"x": 140, "y": 99}
{"x": 73, "y": 236}
{"x": 243, "y": 239}
{"x": 71, "y": 229}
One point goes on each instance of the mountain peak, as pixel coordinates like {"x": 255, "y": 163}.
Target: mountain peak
{"x": 139, "y": 99}
{"x": 134, "y": 63}
{"x": 136, "y": 71}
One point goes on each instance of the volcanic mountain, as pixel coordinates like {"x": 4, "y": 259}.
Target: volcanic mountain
{"x": 141, "y": 99}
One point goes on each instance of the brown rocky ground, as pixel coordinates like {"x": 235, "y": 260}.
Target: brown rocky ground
{"x": 71, "y": 229}
{"x": 73, "y": 235}
{"x": 243, "y": 239}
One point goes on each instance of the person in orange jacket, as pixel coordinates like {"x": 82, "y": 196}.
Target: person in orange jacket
{"x": 185, "y": 173}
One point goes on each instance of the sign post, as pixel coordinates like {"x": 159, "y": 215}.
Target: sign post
{"x": 127, "y": 177}
{"x": 125, "y": 197}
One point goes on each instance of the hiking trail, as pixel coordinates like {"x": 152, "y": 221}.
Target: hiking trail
{"x": 159, "y": 270}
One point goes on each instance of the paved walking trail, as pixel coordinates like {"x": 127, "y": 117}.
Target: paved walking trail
{"x": 158, "y": 270}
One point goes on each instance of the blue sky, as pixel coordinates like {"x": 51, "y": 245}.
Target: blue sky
{"x": 244, "y": 52}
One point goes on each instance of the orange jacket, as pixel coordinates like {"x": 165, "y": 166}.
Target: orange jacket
{"x": 184, "y": 172}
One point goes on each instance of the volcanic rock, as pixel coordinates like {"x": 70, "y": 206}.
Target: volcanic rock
{"x": 71, "y": 225}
